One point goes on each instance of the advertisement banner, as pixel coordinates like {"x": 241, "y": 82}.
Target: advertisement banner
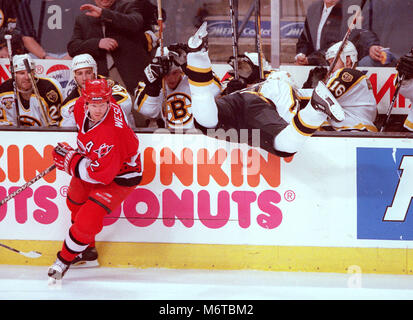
{"x": 197, "y": 189}
{"x": 223, "y": 29}
{"x": 384, "y": 193}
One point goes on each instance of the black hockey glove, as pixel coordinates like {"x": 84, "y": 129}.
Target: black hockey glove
{"x": 315, "y": 75}
{"x": 405, "y": 65}
{"x": 177, "y": 52}
{"x": 235, "y": 85}
{"x": 158, "y": 68}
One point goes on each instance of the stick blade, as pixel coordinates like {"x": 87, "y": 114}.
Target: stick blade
{"x": 31, "y": 254}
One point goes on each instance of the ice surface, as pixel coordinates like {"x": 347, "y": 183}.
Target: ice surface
{"x": 31, "y": 282}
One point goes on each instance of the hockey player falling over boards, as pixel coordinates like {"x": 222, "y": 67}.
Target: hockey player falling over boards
{"x": 105, "y": 170}
{"x": 259, "y": 108}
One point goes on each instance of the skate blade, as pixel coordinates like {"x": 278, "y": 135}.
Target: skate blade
{"x": 53, "y": 283}
{"x": 338, "y": 114}
{"x": 85, "y": 264}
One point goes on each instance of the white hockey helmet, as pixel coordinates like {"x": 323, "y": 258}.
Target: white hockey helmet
{"x": 349, "y": 50}
{"x": 84, "y": 60}
{"x": 18, "y": 62}
{"x": 253, "y": 56}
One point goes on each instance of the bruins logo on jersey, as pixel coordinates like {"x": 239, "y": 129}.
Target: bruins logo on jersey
{"x": 175, "y": 110}
{"x": 52, "y": 95}
{"x": 8, "y": 103}
{"x": 27, "y": 121}
{"x": 347, "y": 77}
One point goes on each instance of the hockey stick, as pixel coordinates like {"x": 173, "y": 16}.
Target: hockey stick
{"x": 27, "y": 184}
{"x": 258, "y": 40}
{"x": 31, "y": 254}
{"x": 13, "y": 77}
{"x": 393, "y": 101}
{"x": 234, "y": 27}
{"x": 36, "y": 92}
{"x": 343, "y": 43}
{"x": 160, "y": 25}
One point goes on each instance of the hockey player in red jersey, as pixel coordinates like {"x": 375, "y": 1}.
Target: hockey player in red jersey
{"x": 105, "y": 169}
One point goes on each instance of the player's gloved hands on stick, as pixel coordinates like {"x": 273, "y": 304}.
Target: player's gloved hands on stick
{"x": 157, "y": 69}
{"x": 154, "y": 73}
{"x": 66, "y": 158}
{"x": 405, "y": 65}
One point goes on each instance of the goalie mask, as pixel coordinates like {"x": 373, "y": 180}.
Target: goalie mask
{"x": 349, "y": 50}
{"x": 18, "y": 62}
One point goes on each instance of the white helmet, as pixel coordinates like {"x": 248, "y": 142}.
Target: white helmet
{"x": 253, "y": 56}
{"x": 349, "y": 50}
{"x": 84, "y": 60}
{"x": 18, "y": 62}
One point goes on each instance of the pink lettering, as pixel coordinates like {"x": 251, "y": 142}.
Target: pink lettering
{"x": 204, "y": 209}
{"x": 130, "y": 208}
{"x": 20, "y": 203}
{"x": 182, "y": 208}
{"x": 41, "y": 198}
{"x": 112, "y": 217}
{"x": 244, "y": 200}
{"x": 3, "y": 208}
{"x": 265, "y": 203}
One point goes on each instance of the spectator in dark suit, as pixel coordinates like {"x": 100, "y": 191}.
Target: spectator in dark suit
{"x": 326, "y": 23}
{"x": 389, "y": 35}
{"x": 112, "y": 32}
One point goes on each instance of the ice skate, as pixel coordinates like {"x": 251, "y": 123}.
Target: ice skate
{"x": 324, "y": 101}
{"x": 87, "y": 259}
{"x": 57, "y": 271}
{"x": 199, "y": 41}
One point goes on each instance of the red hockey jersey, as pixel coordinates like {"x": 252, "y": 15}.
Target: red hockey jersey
{"x": 110, "y": 147}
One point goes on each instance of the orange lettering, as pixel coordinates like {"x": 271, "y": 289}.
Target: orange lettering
{"x": 171, "y": 165}
{"x": 236, "y": 168}
{"x": 149, "y": 166}
{"x": 211, "y": 167}
{"x": 270, "y": 170}
{"x": 33, "y": 161}
{"x": 13, "y": 163}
